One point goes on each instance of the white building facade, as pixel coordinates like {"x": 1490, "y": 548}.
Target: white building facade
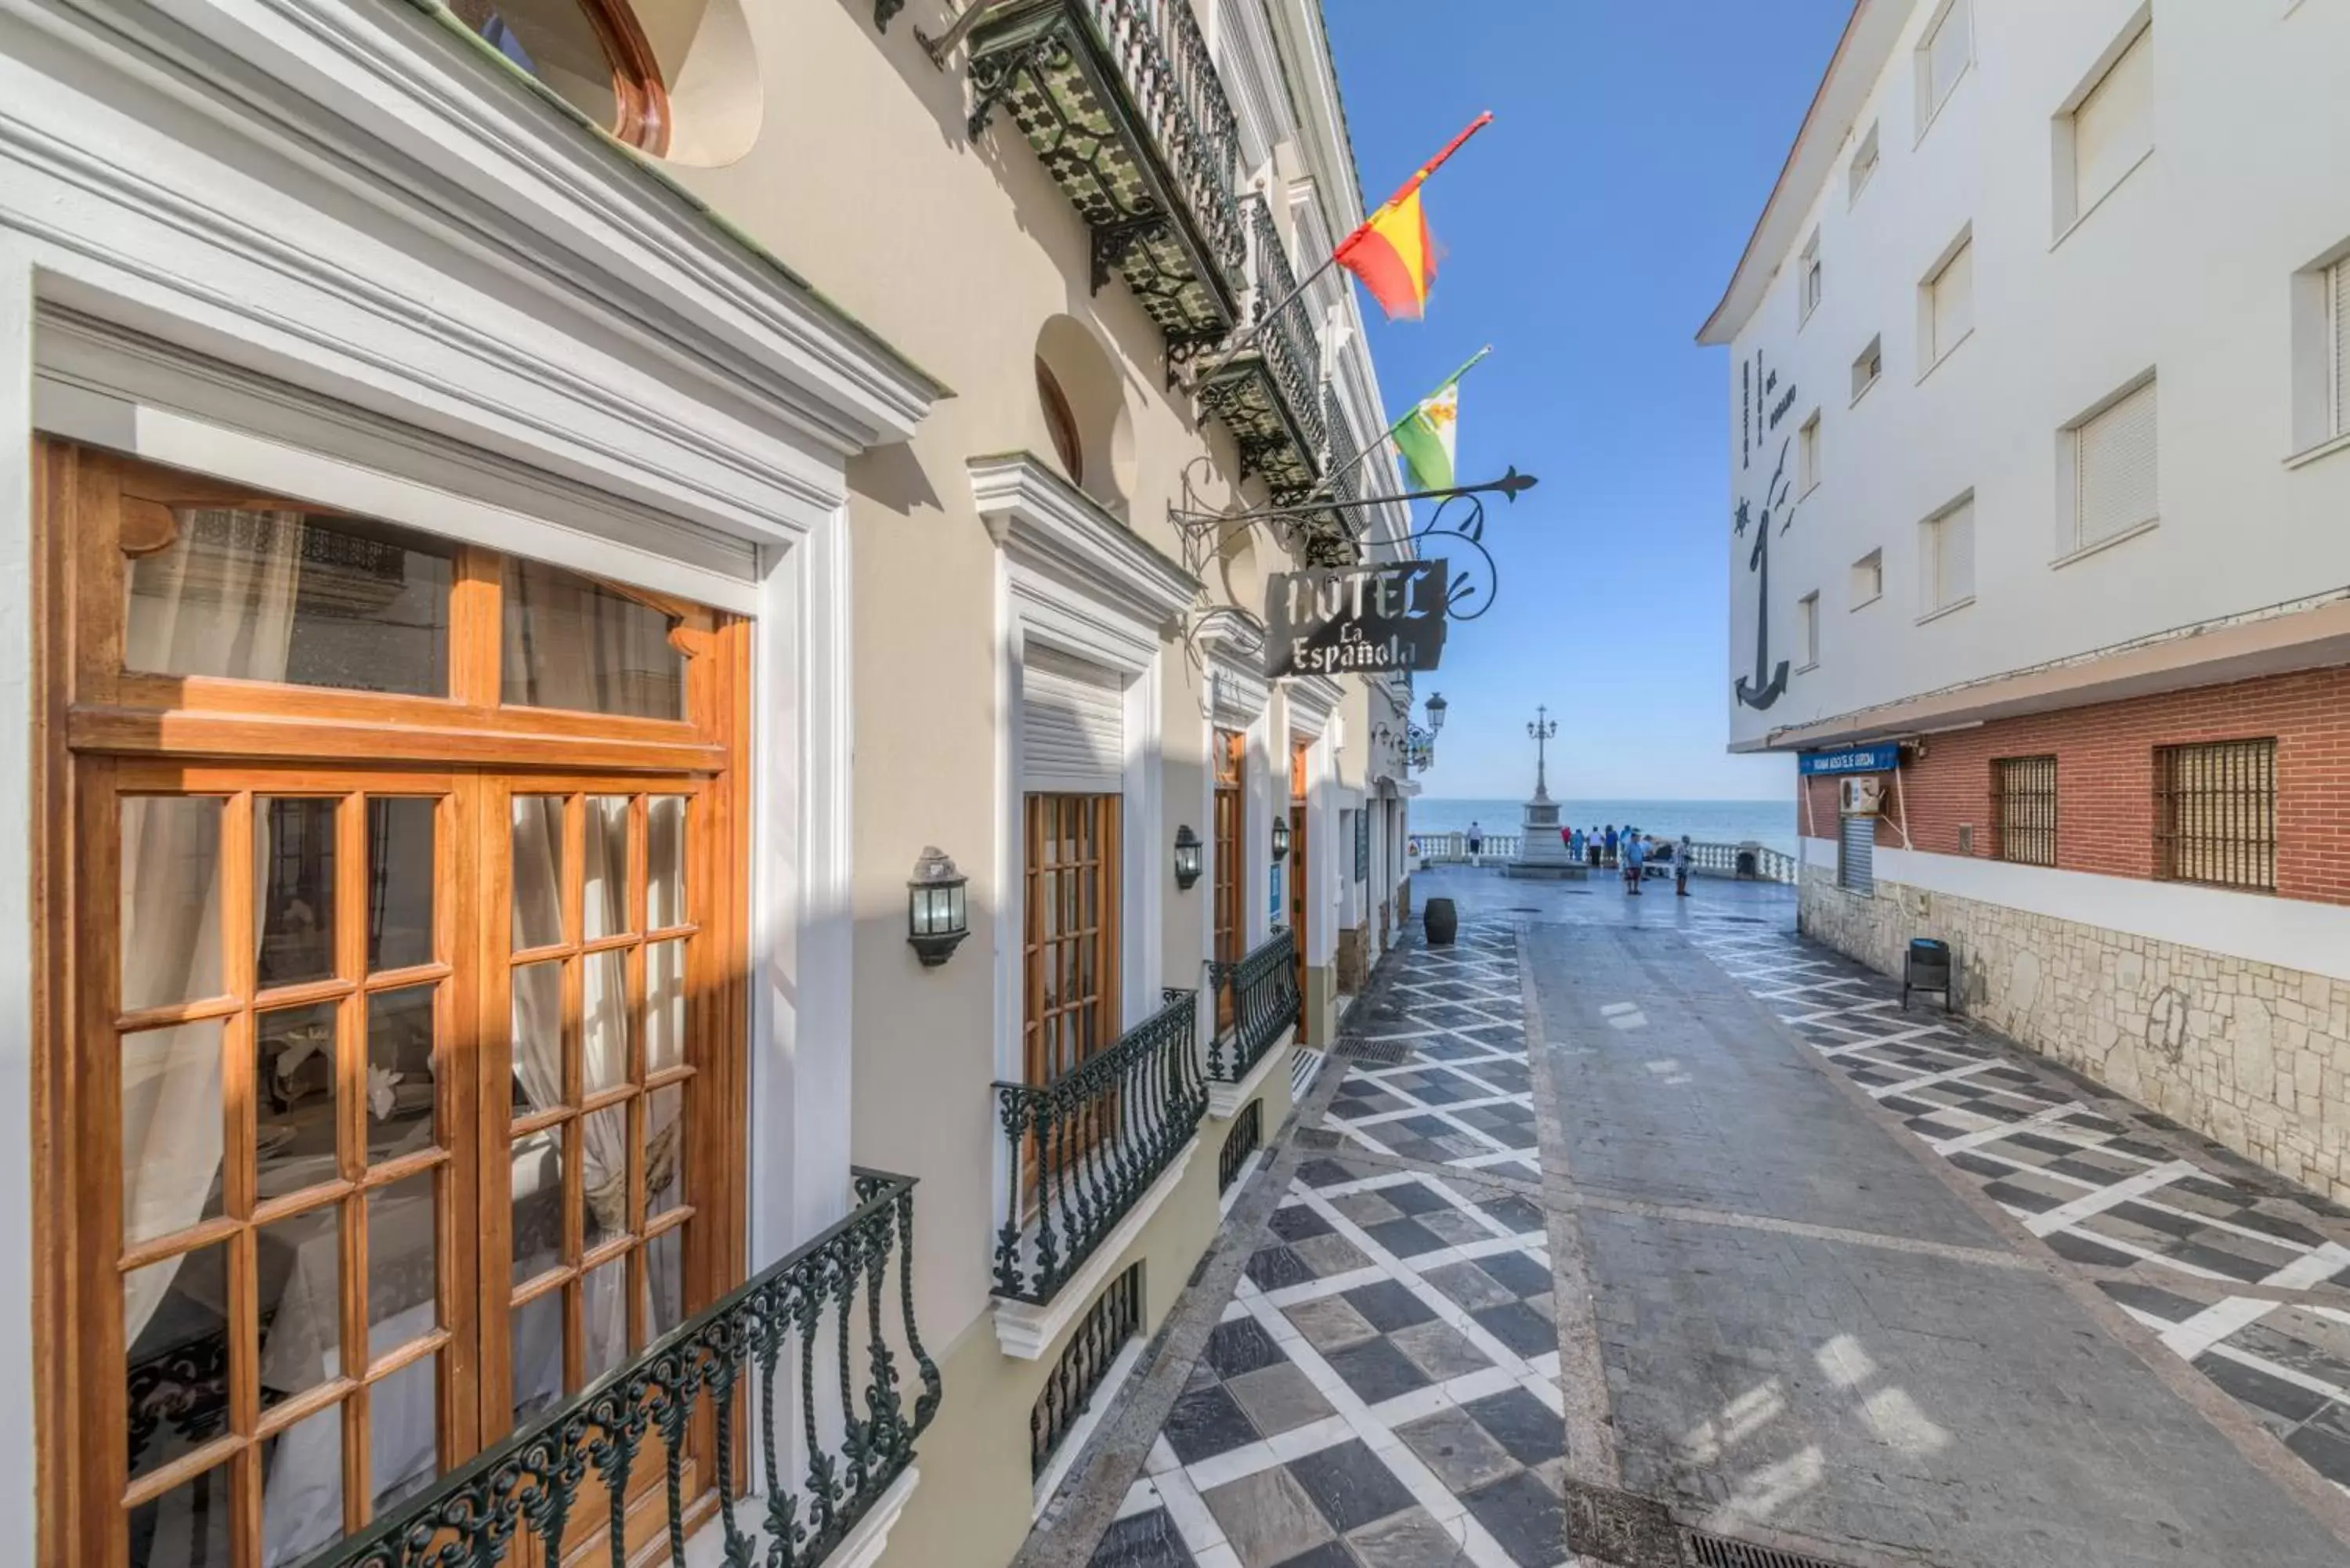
{"x": 2038, "y": 402}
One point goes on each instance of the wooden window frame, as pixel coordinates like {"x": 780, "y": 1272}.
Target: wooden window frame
{"x": 1060, "y": 423}
{"x": 1098, "y": 925}
{"x": 1231, "y": 904}
{"x": 97, "y": 725}
{"x": 638, "y": 86}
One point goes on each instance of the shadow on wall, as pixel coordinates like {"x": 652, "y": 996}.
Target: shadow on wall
{"x": 892, "y": 477}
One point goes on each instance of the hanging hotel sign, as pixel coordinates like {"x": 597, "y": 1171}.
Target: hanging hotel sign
{"x": 1337, "y": 620}
{"x": 1877, "y": 759}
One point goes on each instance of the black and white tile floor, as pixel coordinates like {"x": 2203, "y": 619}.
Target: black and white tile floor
{"x": 1382, "y": 1391}
{"x": 2168, "y": 1224}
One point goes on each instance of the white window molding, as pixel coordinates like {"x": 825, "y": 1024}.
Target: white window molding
{"x": 1807, "y": 455}
{"x": 1869, "y": 368}
{"x": 1807, "y": 631}
{"x": 1810, "y": 279}
{"x": 2105, "y": 128}
{"x": 2108, "y": 466}
{"x": 1945, "y": 53}
{"x": 1946, "y": 559}
{"x": 1868, "y": 579}
{"x": 2321, "y": 357}
{"x": 1865, "y": 158}
{"x": 1946, "y": 303}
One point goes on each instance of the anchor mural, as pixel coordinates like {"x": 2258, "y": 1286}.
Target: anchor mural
{"x": 1766, "y": 684}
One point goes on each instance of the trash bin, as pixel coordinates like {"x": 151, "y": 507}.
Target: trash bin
{"x": 1443, "y": 922}
{"x": 1927, "y": 969}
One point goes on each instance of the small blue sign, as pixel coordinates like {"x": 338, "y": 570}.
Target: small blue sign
{"x": 1879, "y": 759}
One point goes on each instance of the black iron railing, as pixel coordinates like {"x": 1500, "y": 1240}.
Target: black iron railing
{"x": 1247, "y": 1136}
{"x": 787, "y": 1338}
{"x": 1084, "y": 1366}
{"x": 1262, "y": 1002}
{"x": 1342, "y": 471}
{"x": 1292, "y": 345}
{"x": 1086, "y": 1146}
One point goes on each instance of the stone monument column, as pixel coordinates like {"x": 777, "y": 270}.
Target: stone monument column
{"x": 1541, "y": 851}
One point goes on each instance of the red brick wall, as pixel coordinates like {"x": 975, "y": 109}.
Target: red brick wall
{"x": 2105, "y": 777}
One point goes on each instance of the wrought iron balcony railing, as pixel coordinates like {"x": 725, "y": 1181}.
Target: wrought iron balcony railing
{"x": 1262, "y": 993}
{"x": 1121, "y": 102}
{"x": 1088, "y": 1145}
{"x": 1270, "y": 393}
{"x": 687, "y": 1406}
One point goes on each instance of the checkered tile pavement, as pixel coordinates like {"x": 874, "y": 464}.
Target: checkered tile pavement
{"x": 1382, "y": 1391}
{"x": 2169, "y": 1225}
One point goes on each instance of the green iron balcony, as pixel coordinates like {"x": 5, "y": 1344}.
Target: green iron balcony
{"x": 1120, "y": 99}
{"x": 1270, "y": 393}
{"x": 684, "y": 1425}
{"x": 1259, "y": 997}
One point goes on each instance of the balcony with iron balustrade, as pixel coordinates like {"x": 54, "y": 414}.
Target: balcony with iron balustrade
{"x": 1120, "y": 101}
{"x": 1091, "y": 1156}
{"x": 1269, "y": 393}
{"x": 679, "y": 1454}
{"x": 1257, "y": 999}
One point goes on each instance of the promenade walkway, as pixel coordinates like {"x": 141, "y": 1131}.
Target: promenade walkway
{"x": 1736, "y": 1246}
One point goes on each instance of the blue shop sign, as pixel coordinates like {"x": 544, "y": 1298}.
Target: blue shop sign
{"x": 1882, "y": 759}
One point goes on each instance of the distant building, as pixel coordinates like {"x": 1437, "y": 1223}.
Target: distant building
{"x": 2040, "y": 467}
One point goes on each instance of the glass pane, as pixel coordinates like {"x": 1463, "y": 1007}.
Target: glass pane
{"x": 573, "y": 643}
{"x": 664, "y": 1005}
{"x": 300, "y": 1263}
{"x": 537, "y": 1203}
{"x": 604, "y": 1305}
{"x": 665, "y": 1282}
{"x": 171, "y": 1129}
{"x": 554, "y": 41}
{"x": 604, "y": 1021}
{"x": 401, "y": 1086}
{"x": 294, "y": 892}
{"x": 302, "y": 1487}
{"x": 665, "y": 862}
{"x": 538, "y": 1354}
{"x": 170, "y": 901}
{"x": 538, "y": 1036}
{"x": 401, "y": 1422}
{"x": 664, "y": 1149}
{"x": 294, "y": 1097}
{"x": 175, "y": 1322}
{"x": 537, "y": 871}
{"x": 400, "y": 871}
{"x": 283, "y": 596}
{"x": 604, "y": 1181}
{"x": 607, "y": 871}
{"x": 403, "y": 1268}
{"x": 186, "y": 1526}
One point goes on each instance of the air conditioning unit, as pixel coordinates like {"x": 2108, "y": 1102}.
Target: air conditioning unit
{"x": 1863, "y": 797}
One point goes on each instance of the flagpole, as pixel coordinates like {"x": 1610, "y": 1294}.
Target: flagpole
{"x": 1388, "y": 435}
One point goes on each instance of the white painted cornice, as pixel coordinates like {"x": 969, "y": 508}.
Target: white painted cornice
{"x": 1234, "y": 649}
{"x": 1049, "y": 526}
{"x": 1311, "y": 698}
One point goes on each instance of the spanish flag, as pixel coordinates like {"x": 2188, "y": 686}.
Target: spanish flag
{"x": 1392, "y": 253}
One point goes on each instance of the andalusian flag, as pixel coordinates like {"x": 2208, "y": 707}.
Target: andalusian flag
{"x": 1426, "y": 435}
{"x": 1392, "y": 253}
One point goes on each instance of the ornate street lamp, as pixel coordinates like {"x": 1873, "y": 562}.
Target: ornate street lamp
{"x": 1435, "y": 712}
{"x": 1187, "y": 857}
{"x": 1280, "y": 840}
{"x": 937, "y": 919}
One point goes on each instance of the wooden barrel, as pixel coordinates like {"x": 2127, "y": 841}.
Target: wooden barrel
{"x": 1443, "y": 922}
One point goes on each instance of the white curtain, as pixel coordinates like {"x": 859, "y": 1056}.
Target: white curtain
{"x": 220, "y": 601}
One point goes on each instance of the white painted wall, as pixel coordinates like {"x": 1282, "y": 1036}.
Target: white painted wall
{"x": 2188, "y": 267}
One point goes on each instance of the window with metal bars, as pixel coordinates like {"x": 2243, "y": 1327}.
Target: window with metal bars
{"x": 2023, "y": 795}
{"x": 1085, "y": 1366}
{"x": 1247, "y": 1137}
{"x": 2215, "y": 814}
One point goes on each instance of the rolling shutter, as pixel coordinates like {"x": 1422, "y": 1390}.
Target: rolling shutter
{"x": 2337, "y": 278}
{"x": 1857, "y": 853}
{"x": 1946, "y": 54}
{"x": 1072, "y": 726}
{"x": 2114, "y": 126}
{"x": 2115, "y": 470}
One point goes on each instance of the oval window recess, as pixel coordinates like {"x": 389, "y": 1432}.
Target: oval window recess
{"x": 592, "y": 54}
{"x": 705, "y": 53}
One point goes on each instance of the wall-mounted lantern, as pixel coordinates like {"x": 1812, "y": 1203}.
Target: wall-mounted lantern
{"x": 937, "y": 919}
{"x": 1187, "y": 857}
{"x": 1280, "y": 840}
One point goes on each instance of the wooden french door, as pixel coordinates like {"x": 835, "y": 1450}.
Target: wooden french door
{"x": 1297, "y": 859}
{"x": 387, "y": 1070}
{"x": 1229, "y": 904}
{"x": 1070, "y": 948}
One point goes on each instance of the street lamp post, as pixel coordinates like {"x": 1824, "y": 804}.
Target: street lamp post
{"x": 1541, "y": 732}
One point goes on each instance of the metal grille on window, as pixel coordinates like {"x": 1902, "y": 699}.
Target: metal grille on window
{"x": 1083, "y": 1367}
{"x": 2024, "y": 790}
{"x": 2215, "y": 813}
{"x": 1857, "y": 853}
{"x": 1247, "y": 1137}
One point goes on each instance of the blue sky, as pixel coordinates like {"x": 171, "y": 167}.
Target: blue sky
{"x": 1586, "y": 233}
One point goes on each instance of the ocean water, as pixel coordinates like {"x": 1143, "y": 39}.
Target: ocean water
{"x": 1766, "y": 822}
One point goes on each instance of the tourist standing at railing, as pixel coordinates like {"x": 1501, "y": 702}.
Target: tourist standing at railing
{"x": 1574, "y": 844}
{"x": 1684, "y": 856}
{"x": 1611, "y": 844}
{"x": 1476, "y": 841}
{"x": 1629, "y": 850}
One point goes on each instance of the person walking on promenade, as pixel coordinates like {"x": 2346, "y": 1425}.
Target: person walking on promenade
{"x": 1611, "y": 844}
{"x": 1476, "y": 841}
{"x": 1682, "y": 852}
{"x": 1631, "y": 855}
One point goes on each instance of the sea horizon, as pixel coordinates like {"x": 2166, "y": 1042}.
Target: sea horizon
{"x": 1766, "y": 822}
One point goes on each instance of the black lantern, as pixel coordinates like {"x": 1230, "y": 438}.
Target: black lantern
{"x": 1187, "y": 857}
{"x": 936, "y": 919}
{"x": 1280, "y": 840}
{"x": 1435, "y": 712}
